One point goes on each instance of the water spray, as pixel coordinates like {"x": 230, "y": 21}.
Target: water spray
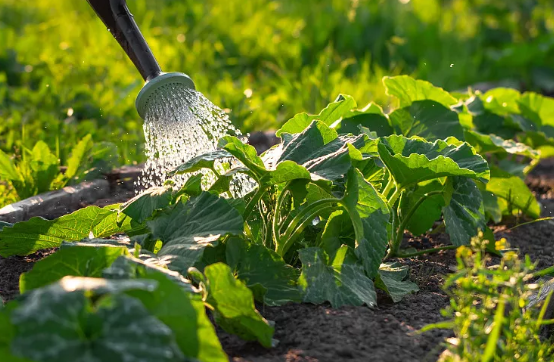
{"x": 118, "y": 19}
{"x": 179, "y": 122}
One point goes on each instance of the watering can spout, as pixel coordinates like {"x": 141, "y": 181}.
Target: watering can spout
{"x": 118, "y": 19}
{"x": 116, "y": 16}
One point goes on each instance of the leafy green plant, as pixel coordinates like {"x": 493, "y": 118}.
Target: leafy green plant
{"x": 497, "y": 313}
{"x": 38, "y": 170}
{"x": 265, "y": 61}
{"x": 324, "y": 220}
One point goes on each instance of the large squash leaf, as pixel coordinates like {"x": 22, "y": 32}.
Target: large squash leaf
{"x": 428, "y": 119}
{"x": 409, "y": 90}
{"x": 258, "y": 266}
{"x": 191, "y": 226}
{"x": 370, "y": 218}
{"x": 61, "y": 323}
{"x": 332, "y": 113}
{"x": 464, "y": 216}
{"x": 26, "y": 237}
{"x": 78, "y": 261}
{"x": 340, "y": 281}
{"x": 412, "y": 160}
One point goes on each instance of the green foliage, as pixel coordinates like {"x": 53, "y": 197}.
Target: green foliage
{"x": 38, "y": 233}
{"x": 496, "y": 313}
{"x": 62, "y": 75}
{"x": 328, "y": 211}
{"x": 38, "y": 170}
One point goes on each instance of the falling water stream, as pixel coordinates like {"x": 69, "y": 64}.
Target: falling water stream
{"x": 180, "y": 123}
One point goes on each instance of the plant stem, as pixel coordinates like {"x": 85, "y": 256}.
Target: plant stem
{"x": 253, "y": 202}
{"x": 291, "y": 237}
{"x": 394, "y": 196}
{"x": 388, "y": 187}
{"x": 397, "y": 238}
{"x": 277, "y": 214}
{"x": 427, "y": 251}
{"x": 307, "y": 214}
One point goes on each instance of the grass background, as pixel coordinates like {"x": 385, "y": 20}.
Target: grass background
{"x": 63, "y": 76}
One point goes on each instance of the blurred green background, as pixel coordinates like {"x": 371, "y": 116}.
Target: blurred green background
{"x": 63, "y": 76}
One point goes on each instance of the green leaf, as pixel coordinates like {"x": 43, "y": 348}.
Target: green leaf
{"x": 495, "y": 207}
{"x": 540, "y": 142}
{"x": 60, "y": 323}
{"x": 193, "y": 186}
{"x": 430, "y": 210}
{"x": 257, "y": 265}
{"x": 338, "y": 231}
{"x": 414, "y": 160}
{"x": 78, "y": 261}
{"x": 233, "y": 305}
{"x": 341, "y": 281}
{"x": 286, "y": 171}
{"x": 8, "y": 171}
{"x": 464, "y": 215}
{"x": 197, "y": 163}
{"x": 320, "y": 150}
{"x": 78, "y": 157}
{"x": 514, "y": 190}
{"x": 371, "y": 117}
{"x": 370, "y": 218}
{"x": 141, "y": 207}
{"x": 101, "y": 158}
{"x": 146, "y": 263}
{"x": 7, "y": 333}
{"x": 428, "y": 119}
{"x": 409, "y": 90}
{"x": 539, "y": 109}
{"x": 188, "y": 228}
{"x": 244, "y": 153}
{"x": 183, "y": 312}
{"x": 37, "y": 233}
{"x": 393, "y": 279}
{"x": 494, "y": 144}
{"x": 502, "y": 101}
{"x": 332, "y": 113}
{"x": 44, "y": 166}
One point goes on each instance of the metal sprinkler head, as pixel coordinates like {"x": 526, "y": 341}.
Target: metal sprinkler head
{"x": 116, "y": 16}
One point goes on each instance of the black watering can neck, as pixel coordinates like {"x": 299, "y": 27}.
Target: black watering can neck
{"x": 118, "y": 19}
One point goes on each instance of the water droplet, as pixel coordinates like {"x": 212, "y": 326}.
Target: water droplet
{"x": 180, "y": 123}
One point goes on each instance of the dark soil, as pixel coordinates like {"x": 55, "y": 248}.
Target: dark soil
{"x": 312, "y": 333}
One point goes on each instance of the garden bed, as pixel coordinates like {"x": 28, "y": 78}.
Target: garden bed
{"x": 309, "y": 332}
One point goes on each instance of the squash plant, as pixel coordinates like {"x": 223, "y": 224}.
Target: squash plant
{"x": 323, "y": 223}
